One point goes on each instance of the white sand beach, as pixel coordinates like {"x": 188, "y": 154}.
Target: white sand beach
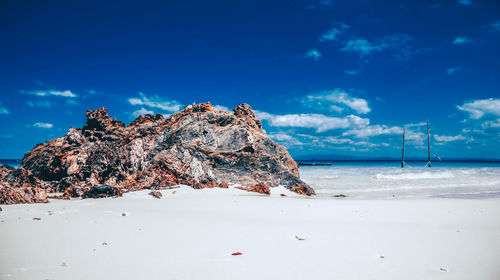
{"x": 191, "y": 234}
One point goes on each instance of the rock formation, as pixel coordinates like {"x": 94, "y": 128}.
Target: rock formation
{"x": 258, "y": 188}
{"x": 197, "y": 146}
{"x": 20, "y": 186}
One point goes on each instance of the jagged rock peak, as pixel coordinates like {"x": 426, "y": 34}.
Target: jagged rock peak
{"x": 243, "y": 110}
{"x": 100, "y": 120}
{"x": 148, "y": 118}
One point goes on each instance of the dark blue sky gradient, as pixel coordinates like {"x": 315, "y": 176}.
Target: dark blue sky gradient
{"x": 229, "y": 52}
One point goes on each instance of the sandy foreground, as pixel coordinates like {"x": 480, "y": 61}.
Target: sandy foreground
{"x": 191, "y": 234}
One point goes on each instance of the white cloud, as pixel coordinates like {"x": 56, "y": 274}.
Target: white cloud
{"x": 319, "y": 122}
{"x": 142, "y": 112}
{"x": 332, "y": 99}
{"x": 480, "y": 107}
{"x": 220, "y": 107}
{"x": 49, "y": 92}
{"x": 416, "y": 124}
{"x": 338, "y": 141}
{"x": 361, "y": 46}
{"x": 155, "y": 102}
{"x": 334, "y": 32}
{"x": 365, "y": 47}
{"x": 285, "y": 139}
{"x": 374, "y": 130}
{"x": 491, "y": 124}
{"x": 3, "y": 110}
{"x": 314, "y": 54}
{"x": 444, "y": 138}
{"x": 465, "y": 2}
{"x": 461, "y": 41}
{"x": 415, "y": 137}
{"x": 43, "y": 125}
{"x": 453, "y": 70}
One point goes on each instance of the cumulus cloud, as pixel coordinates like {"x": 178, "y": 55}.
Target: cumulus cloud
{"x": 43, "y": 125}
{"x": 453, "y": 70}
{"x": 339, "y": 143}
{"x": 50, "y": 92}
{"x": 220, "y": 107}
{"x": 285, "y": 139}
{"x": 416, "y": 124}
{"x": 319, "y": 122}
{"x": 373, "y": 130}
{"x": 444, "y": 138}
{"x": 364, "y": 47}
{"x": 491, "y": 124}
{"x": 314, "y": 54}
{"x": 141, "y": 112}
{"x": 335, "y": 98}
{"x": 480, "y": 107}
{"x": 333, "y": 33}
{"x": 461, "y": 41}
{"x": 155, "y": 102}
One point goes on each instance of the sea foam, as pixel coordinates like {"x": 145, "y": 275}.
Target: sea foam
{"x": 387, "y": 181}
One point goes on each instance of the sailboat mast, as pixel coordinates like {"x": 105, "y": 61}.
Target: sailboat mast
{"x": 428, "y": 145}
{"x": 403, "y": 155}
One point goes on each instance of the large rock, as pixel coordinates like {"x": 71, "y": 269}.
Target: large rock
{"x": 20, "y": 186}
{"x": 198, "y": 146}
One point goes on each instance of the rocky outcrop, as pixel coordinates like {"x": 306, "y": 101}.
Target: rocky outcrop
{"x": 197, "y": 146}
{"x": 20, "y": 186}
{"x": 258, "y": 188}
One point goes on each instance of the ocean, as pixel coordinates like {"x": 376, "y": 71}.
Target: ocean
{"x": 387, "y": 180}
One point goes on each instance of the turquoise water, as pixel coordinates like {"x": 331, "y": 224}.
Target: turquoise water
{"x": 387, "y": 180}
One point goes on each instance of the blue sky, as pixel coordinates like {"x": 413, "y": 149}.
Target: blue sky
{"x": 326, "y": 77}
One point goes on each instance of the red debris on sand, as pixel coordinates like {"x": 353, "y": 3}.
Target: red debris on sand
{"x": 223, "y": 185}
{"x": 258, "y": 188}
{"x": 156, "y": 194}
{"x": 237, "y": 254}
